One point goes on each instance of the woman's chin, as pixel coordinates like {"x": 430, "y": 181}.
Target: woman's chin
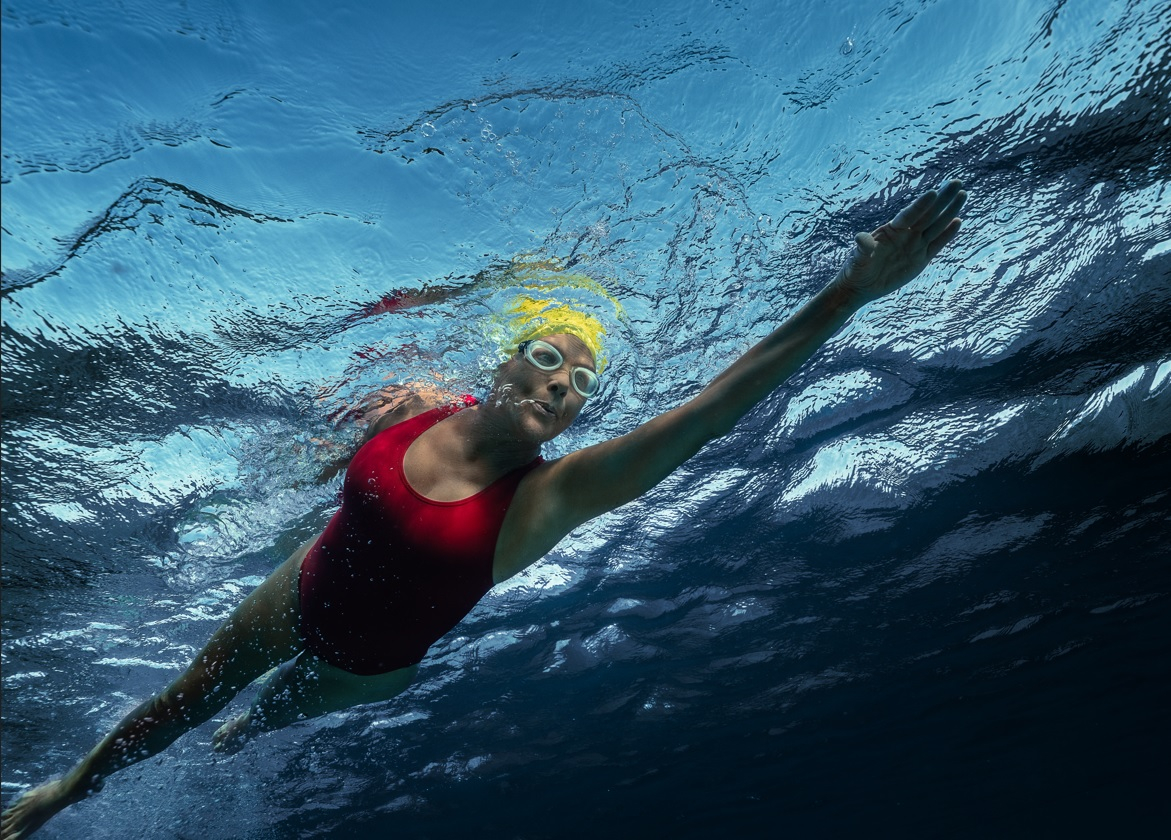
{"x": 539, "y": 427}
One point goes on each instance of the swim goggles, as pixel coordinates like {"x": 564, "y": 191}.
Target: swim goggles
{"x": 543, "y": 355}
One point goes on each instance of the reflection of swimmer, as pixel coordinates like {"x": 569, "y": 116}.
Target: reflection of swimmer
{"x": 443, "y": 501}
{"x": 403, "y": 299}
{"x": 526, "y": 271}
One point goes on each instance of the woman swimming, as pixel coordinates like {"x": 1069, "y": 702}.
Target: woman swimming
{"x": 443, "y": 501}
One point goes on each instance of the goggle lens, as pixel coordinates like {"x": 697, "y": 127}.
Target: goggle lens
{"x": 585, "y": 382}
{"x": 543, "y": 355}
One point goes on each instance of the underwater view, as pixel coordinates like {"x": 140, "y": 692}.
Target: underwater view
{"x": 921, "y": 590}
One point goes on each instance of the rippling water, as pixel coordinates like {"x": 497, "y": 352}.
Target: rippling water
{"x": 922, "y": 589}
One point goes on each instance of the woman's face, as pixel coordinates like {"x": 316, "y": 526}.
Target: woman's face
{"x": 542, "y": 403}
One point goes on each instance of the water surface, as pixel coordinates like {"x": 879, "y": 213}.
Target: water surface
{"x": 921, "y": 590}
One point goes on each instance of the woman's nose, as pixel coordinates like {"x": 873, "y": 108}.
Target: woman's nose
{"x": 559, "y": 382}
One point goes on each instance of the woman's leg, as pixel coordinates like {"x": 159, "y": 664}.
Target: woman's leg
{"x": 307, "y": 687}
{"x": 259, "y": 634}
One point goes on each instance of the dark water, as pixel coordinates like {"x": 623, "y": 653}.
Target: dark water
{"x": 920, "y": 591}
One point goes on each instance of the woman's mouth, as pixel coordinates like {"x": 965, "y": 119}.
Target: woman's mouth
{"x": 542, "y": 406}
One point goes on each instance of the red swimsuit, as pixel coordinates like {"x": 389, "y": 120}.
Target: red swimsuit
{"x": 394, "y": 570}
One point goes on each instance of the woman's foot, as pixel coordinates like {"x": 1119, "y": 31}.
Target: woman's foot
{"x": 230, "y": 737}
{"x": 34, "y": 808}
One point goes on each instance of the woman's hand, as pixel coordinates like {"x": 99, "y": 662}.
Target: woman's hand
{"x": 895, "y": 253}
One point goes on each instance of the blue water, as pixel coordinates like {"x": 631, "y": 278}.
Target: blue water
{"x": 922, "y": 590}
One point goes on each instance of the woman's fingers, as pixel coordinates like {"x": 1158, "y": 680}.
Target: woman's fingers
{"x": 946, "y": 216}
{"x": 934, "y": 246}
{"x": 914, "y": 212}
{"x": 928, "y": 208}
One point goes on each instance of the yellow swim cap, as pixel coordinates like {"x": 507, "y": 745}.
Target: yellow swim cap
{"x": 530, "y": 318}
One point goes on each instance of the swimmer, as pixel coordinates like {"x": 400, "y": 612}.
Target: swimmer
{"x": 443, "y": 501}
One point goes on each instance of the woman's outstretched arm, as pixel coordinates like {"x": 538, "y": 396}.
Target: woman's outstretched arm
{"x": 597, "y": 479}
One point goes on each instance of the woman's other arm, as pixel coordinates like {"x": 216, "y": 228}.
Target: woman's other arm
{"x": 379, "y": 412}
